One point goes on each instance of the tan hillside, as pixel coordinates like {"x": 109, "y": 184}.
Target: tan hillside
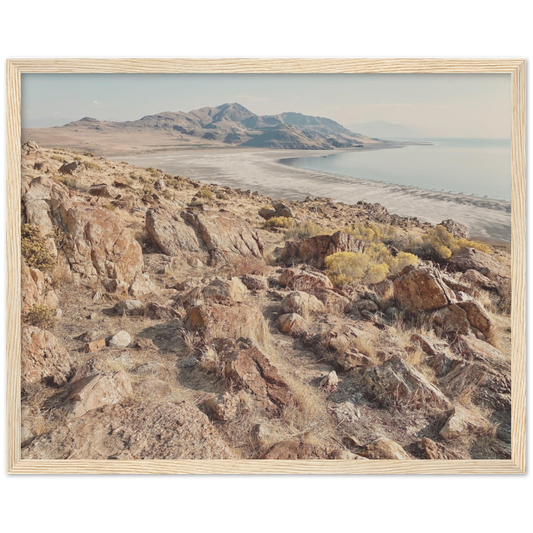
{"x": 168, "y": 319}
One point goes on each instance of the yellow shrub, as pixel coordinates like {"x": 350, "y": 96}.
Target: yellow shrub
{"x": 33, "y": 248}
{"x": 42, "y": 317}
{"x": 368, "y": 267}
{"x": 279, "y": 222}
{"x": 205, "y": 193}
{"x": 371, "y": 232}
{"x": 444, "y": 244}
{"x": 306, "y": 230}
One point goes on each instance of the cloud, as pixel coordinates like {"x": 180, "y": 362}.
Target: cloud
{"x": 96, "y": 102}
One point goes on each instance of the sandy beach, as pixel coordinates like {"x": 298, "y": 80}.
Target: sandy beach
{"x": 263, "y": 170}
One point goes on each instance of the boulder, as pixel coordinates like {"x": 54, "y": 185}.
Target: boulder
{"x": 222, "y": 407}
{"x": 119, "y": 340}
{"x": 280, "y": 209}
{"x": 255, "y": 283}
{"x": 397, "y": 381}
{"x": 225, "y": 236}
{"x": 36, "y": 289}
{"x": 133, "y": 431}
{"x": 477, "y": 316}
{"x": 44, "y": 360}
{"x": 142, "y": 284}
{"x": 421, "y": 289}
{"x": 314, "y": 250}
{"x": 172, "y": 234}
{"x": 429, "y": 449}
{"x": 129, "y": 307}
{"x": 302, "y": 303}
{"x": 157, "y": 311}
{"x": 103, "y": 190}
{"x": 98, "y": 244}
{"x": 97, "y": 390}
{"x": 384, "y": 448}
{"x": 456, "y": 229}
{"x": 452, "y": 319}
{"x": 238, "y": 320}
{"x": 304, "y": 279}
{"x": 246, "y": 367}
{"x": 69, "y": 168}
{"x": 94, "y": 346}
{"x": 218, "y": 290}
{"x": 461, "y": 423}
{"x": 292, "y": 323}
{"x": 477, "y": 279}
{"x": 472, "y": 259}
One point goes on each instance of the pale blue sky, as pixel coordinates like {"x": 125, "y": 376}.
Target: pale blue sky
{"x": 441, "y": 105}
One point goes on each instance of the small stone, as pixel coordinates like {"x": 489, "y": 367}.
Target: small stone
{"x": 94, "y": 346}
{"x": 120, "y": 340}
{"x": 330, "y": 382}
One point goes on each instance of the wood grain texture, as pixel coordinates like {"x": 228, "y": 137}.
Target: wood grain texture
{"x": 518, "y": 268}
{"x": 516, "y": 67}
{"x": 338, "y": 65}
{"x": 13, "y": 334}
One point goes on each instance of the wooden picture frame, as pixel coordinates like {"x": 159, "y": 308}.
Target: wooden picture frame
{"x": 514, "y": 67}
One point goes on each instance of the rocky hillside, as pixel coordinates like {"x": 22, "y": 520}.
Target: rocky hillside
{"x": 166, "y": 319}
{"x": 222, "y": 126}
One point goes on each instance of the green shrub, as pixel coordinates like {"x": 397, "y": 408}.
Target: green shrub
{"x": 34, "y": 250}
{"x": 441, "y": 243}
{"x": 279, "y": 222}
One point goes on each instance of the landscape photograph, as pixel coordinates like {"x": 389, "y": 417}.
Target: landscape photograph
{"x": 266, "y": 267}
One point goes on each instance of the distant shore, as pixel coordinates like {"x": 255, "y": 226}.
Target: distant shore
{"x": 263, "y": 170}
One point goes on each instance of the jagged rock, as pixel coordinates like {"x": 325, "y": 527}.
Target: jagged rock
{"x": 238, "y": 320}
{"x": 439, "y": 357}
{"x": 255, "y": 283}
{"x": 136, "y": 431}
{"x": 293, "y": 450}
{"x": 351, "y": 359}
{"x": 129, "y": 307}
{"x": 29, "y": 146}
{"x": 160, "y": 185}
{"x": 429, "y": 449}
{"x": 98, "y": 243}
{"x": 292, "y": 323}
{"x": 94, "y": 346}
{"x": 250, "y": 369}
{"x": 120, "y": 340}
{"x": 172, "y": 234}
{"x": 68, "y": 168}
{"x": 156, "y": 311}
{"x": 281, "y": 209}
{"x": 267, "y": 213}
{"x": 477, "y": 279}
{"x": 301, "y": 303}
{"x": 461, "y": 423}
{"x": 452, "y": 319}
{"x": 126, "y": 360}
{"x": 330, "y": 382}
{"x": 302, "y": 279}
{"x": 226, "y": 236}
{"x": 97, "y": 390}
{"x": 36, "y": 289}
{"x": 346, "y": 413}
{"x": 456, "y": 229}
{"x": 472, "y": 259}
{"x": 332, "y": 300}
{"x": 314, "y": 250}
{"x": 44, "y": 360}
{"x": 142, "y": 284}
{"x": 223, "y": 406}
{"x": 384, "y": 448}
{"x": 396, "y": 380}
{"x": 103, "y": 190}
{"x": 226, "y": 291}
{"x": 421, "y": 289}
{"x": 477, "y": 316}
{"x": 144, "y": 344}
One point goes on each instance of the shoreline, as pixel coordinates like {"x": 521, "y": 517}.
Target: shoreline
{"x": 263, "y": 170}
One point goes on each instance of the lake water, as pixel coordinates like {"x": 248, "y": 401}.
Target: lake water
{"x": 481, "y": 167}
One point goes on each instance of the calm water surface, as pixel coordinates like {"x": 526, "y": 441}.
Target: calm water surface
{"x": 481, "y": 167}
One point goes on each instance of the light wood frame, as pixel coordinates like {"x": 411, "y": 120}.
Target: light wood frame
{"x": 515, "y": 67}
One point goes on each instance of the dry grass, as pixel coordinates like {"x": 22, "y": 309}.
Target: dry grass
{"x": 249, "y": 265}
{"x": 41, "y": 316}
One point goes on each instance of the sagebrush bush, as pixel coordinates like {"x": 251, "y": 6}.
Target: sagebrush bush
{"x": 368, "y": 267}
{"x": 371, "y": 232}
{"x": 205, "y": 193}
{"x": 306, "y": 230}
{"x": 42, "y": 317}
{"x": 440, "y": 242}
{"x": 279, "y": 222}
{"x": 34, "y": 250}
{"x": 92, "y": 166}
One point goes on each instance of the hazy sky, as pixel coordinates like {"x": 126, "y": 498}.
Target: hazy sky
{"x": 446, "y": 105}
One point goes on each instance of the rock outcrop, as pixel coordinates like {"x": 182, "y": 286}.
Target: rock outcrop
{"x": 44, "y": 360}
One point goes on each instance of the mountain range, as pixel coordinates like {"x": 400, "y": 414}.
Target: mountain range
{"x": 233, "y": 124}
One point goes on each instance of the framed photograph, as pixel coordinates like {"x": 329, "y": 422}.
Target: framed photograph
{"x": 266, "y": 266}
